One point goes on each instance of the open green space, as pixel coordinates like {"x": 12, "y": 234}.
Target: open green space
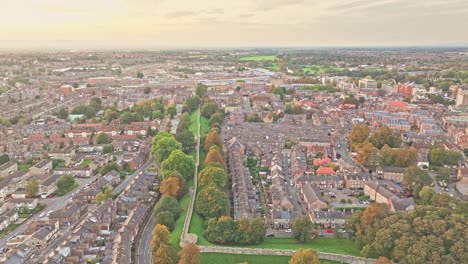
{"x": 24, "y": 215}
{"x": 24, "y": 166}
{"x": 259, "y": 58}
{"x": 318, "y": 69}
{"x": 197, "y": 227}
{"x": 8, "y": 229}
{"x": 85, "y": 163}
{"x": 274, "y": 67}
{"x": 62, "y": 192}
{"x": 204, "y": 124}
{"x": 330, "y": 245}
{"x": 179, "y": 223}
{"x": 208, "y": 258}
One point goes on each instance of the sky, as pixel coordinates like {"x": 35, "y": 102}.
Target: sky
{"x": 150, "y": 24}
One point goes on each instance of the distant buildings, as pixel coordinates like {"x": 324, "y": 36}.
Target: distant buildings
{"x": 462, "y": 96}
{"x": 367, "y": 83}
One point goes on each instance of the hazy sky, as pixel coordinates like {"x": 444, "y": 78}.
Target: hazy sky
{"x": 207, "y": 23}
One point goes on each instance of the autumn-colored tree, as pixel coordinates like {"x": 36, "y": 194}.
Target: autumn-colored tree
{"x": 166, "y": 254}
{"x": 214, "y": 156}
{"x": 212, "y": 175}
{"x": 358, "y": 135}
{"x": 222, "y": 230}
{"x": 190, "y": 254}
{"x": 302, "y": 228}
{"x": 367, "y": 154}
{"x": 305, "y": 256}
{"x": 160, "y": 236}
{"x": 213, "y": 139}
{"x": 174, "y": 185}
{"x": 383, "y": 260}
{"x": 386, "y": 136}
{"x": 250, "y": 231}
{"x": 211, "y": 202}
{"x": 170, "y": 186}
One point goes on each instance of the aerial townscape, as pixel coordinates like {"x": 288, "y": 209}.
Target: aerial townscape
{"x": 234, "y": 156}
{"x": 234, "y": 132}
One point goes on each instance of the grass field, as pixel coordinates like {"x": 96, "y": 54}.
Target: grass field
{"x": 318, "y": 69}
{"x": 179, "y": 224}
{"x": 259, "y": 58}
{"x": 204, "y": 125}
{"x": 274, "y": 67}
{"x": 24, "y": 166}
{"x": 330, "y": 245}
{"x": 209, "y": 258}
{"x": 196, "y": 227}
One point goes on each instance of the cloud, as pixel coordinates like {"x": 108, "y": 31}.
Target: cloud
{"x": 267, "y": 5}
{"x": 180, "y": 14}
{"x": 246, "y": 15}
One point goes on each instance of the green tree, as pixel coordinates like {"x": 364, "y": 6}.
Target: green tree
{"x": 147, "y": 90}
{"x": 165, "y": 218}
{"x": 221, "y": 231}
{"x": 209, "y": 108}
{"x": 414, "y": 179}
{"x": 217, "y": 117}
{"x": 426, "y": 194}
{"x": 168, "y": 204}
{"x": 302, "y": 229}
{"x": 103, "y": 138}
{"x": 201, "y": 90}
{"x": 109, "y": 167}
{"x": 211, "y": 202}
{"x": 193, "y": 103}
{"x": 104, "y": 195}
{"x": 172, "y": 110}
{"x": 186, "y": 138}
{"x": 305, "y": 256}
{"x": 179, "y": 162}
{"x": 140, "y": 75}
{"x": 63, "y": 113}
{"x": 184, "y": 122}
{"x": 212, "y": 176}
{"x": 253, "y": 117}
{"x": 165, "y": 147}
{"x": 4, "y": 158}
{"x": 32, "y": 187}
{"x": 65, "y": 183}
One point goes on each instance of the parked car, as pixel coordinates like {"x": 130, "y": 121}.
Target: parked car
{"x": 288, "y": 230}
{"x": 329, "y": 231}
{"x": 270, "y": 235}
{"x": 42, "y": 214}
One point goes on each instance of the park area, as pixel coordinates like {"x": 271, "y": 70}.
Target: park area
{"x": 319, "y": 69}
{"x": 259, "y": 58}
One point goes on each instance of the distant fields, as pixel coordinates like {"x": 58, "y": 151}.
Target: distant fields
{"x": 259, "y": 58}
{"x": 209, "y": 258}
{"x": 318, "y": 69}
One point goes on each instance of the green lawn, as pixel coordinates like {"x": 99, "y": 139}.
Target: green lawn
{"x": 274, "y": 67}
{"x": 8, "y": 229}
{"x": 24, "y": 166}
{"x": 318, "y": 69}
{"x": 204, "y": 124}
{"x": 330, "y": 245}
{"x": 85, "y": 163}
{"x": 196, "y": 227}
{"x": 259, "y": 58}
{"x": 179, "y": 224}
{"x": 62, "y": 192}
{"x": 24, "y": 215}
{"x": 209, "y": 258}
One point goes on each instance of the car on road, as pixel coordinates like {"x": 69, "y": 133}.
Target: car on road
{"x": 42, "y": 214}
{"x": 288, "y": 230}
{"x": 329, "y": 231}
{"x": 270, "y": 235}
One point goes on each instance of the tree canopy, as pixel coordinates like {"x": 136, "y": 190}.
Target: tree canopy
{"x": 305, "y": 256}
{"x": 302, "y": 229}
{"x": 212, "y": 176}
{"x": 178, "y": 162}
{"x": 211, "y": 202}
